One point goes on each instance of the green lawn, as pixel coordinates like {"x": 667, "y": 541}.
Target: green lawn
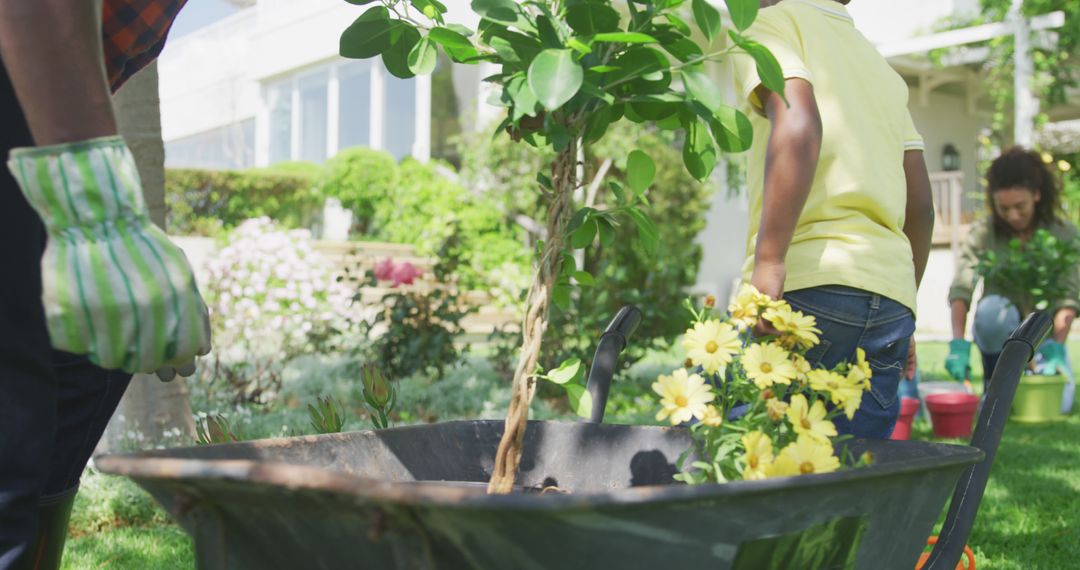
{"x": 1029, "y": 518}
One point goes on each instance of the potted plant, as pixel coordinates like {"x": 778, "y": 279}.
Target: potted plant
{"x": 1033, "y": 273}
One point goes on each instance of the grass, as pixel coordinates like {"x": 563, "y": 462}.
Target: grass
{"x": 1028, "y": 518}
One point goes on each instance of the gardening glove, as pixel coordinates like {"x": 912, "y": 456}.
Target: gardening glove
{"x": 1053, "y": 358}
{"x": 958, "y": 363}
{"x": 113, "y": 286}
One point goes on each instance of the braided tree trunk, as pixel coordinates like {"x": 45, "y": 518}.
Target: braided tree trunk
{"x": 538, "y": 302}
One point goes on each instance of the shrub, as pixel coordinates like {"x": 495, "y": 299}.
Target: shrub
{"x": 205, "y": 202}
{"x": 362, "y": 179}
{"x": 271, "y": 297}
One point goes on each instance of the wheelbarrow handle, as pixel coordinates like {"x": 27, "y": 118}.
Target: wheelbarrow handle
{"x": 1017, "y": 352}
{"x": 612, "y": 342}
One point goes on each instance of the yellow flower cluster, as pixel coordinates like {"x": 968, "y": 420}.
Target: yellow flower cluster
{"x": 805, "y": 456}
{"x": 797, "y": 398}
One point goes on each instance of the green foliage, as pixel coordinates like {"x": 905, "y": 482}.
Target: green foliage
{"x": 214, "y": 429}
{"x": 205, "y": 202}
{"x": 1035, "y": 274}
{"x": 327, "y": 415}
{"x": 625, "y": 273}
{"x": 363, "y": 180}
{"x": 417, "y": 330}
{"x": 380, "y": 394}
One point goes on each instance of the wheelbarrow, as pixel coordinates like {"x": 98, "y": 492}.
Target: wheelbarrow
{"x": 589, "y": 495}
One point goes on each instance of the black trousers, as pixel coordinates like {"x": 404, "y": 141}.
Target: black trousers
{"x": 54, "y": 406}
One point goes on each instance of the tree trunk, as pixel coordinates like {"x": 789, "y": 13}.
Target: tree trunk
{"x": 150, "y": 408}
{"x": 538, "y": 303}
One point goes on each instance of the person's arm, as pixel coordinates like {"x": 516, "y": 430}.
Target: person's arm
{"x": 52, "y": 50}
{"x": 790, "y": 163}
{"x": 959, "y": 309}
{"x": 919, "y": 215}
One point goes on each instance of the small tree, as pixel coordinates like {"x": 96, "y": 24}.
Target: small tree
{"x": 568, "y": 70}
{"x": 1034, "y": 274}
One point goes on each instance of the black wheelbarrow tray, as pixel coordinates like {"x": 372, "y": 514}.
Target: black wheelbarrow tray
{"x": 590, "y": 495}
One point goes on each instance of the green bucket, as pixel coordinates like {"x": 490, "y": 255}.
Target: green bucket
{"x": 1038, "y": 398}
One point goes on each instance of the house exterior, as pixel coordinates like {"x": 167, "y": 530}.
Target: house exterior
{"x": 266, "y": 85}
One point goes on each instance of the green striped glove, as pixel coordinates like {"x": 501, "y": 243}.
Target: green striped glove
{"x": 114, "y": 287}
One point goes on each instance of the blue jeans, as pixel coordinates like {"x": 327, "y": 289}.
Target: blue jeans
{"x": 53, "y": 406}
{"x": 850, "y": 319}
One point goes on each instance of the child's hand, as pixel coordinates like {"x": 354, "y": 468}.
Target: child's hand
{"x": 769, "y": 279}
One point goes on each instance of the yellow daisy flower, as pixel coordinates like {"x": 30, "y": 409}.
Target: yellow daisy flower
{"x": 860, "y": 372}
{"x": 712, "y": 417}
{"x": 768, "y": 364}
{"x": 777, "y": 409}
{"x": 809, "y": 420}
{"x": 799, "y": 330}
{"x": 802, "y": 366}
{"x": 712, "y": 345}
{"x": 747, "y": 306}
{"x": 842, "y": 392}
{"x": 758, "y": 457}
{"x": 804, "y": 457}
{"x": 682, "y": 396}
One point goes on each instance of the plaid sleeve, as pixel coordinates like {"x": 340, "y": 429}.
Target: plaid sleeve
{"x": 134, "y": 33}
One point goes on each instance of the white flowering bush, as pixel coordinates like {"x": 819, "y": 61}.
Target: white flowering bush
{"x": 272, "y": 297}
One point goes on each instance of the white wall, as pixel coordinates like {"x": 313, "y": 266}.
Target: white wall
{"x": 891, "y": 20}
{"x": 945, "y": 119}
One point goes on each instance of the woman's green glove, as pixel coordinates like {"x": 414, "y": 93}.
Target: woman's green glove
{"x": 1053, "y": 358}
{"x": 114, "y": 287}
{"x": 958, "y": 363}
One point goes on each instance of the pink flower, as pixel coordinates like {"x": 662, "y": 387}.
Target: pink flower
{"x": 384, "y": 270}
{"x": 405, "y": 273}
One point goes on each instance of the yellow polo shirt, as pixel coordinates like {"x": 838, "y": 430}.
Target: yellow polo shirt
{"x": 851, "y": 230}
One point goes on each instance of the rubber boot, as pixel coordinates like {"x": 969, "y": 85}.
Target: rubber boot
{"x": 47, "y": 548}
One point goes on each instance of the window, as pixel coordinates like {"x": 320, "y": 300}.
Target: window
{"x": 354, "y": 112}
{"x": 228, "y": 147}
{"x": 313, "y": 112}
{"x": 399, "y": 116}
{"x": 314, "y": 115}
{"x": 279, "y": 99}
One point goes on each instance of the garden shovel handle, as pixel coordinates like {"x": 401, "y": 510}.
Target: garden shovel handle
{"x": 612, "y": 342}
{"x": 1017, "y": 352}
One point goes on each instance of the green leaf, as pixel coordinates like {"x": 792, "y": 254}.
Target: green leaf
{"x": 702, "y": 87}
{"x": 359, "y": 2}
{"x": 579, "y": 46}
{"x": 732, "y": 130}
{"x": 603, "y": 68}
{"x": 422, "y": 57}
{"x": 742, "y": 12}
{"x": 396, "y": 59}
{"x": 448, "y": 38}
{"x": 580, "y": 399}
{"x": 566, "y": 371}
{"x": 502, "y": 11}
{"x": 569, "y": 265}
{"x": 578, "y": 219}
{"x": 588, "y": 19}
{"x": 679, "y": 24}
{"x": 584, "y": 235}
{"x": 684, "y": 50}
{"x": 607, "y": 233}
{"x": 368, "y": 36}
{"x": 617, "y": 189}
{"x": 699, "y": 153}
{"x": 597, "y": 124}
{"x": 524, "y": 99}
{"x": 640, "y": 171}
{"x": 772, "y": 76}
{"x": 548, "y": 36}
{"x": 560, "y": 296}
{"x": 584, "y": 278}
{"x": 625, "y": 38}
{"x": 650, "y": 238}
{"x": 555, "y": 77}
{"x": 707, "y": 18}
{"x": 589, "y": 88}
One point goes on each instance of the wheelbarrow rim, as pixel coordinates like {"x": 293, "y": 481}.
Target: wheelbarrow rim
{"x": 157, "y": 466}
